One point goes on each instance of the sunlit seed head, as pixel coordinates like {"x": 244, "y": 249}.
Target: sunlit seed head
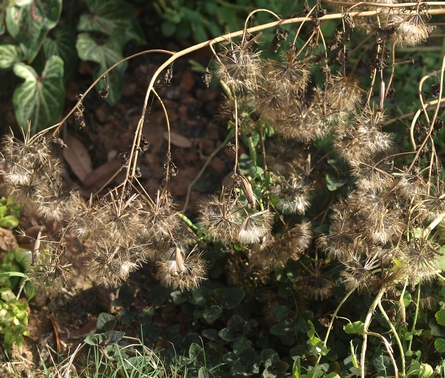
{"x": 180, "y": 270}
{"x": 255, "y": 227}
{"x": 239, "y": 67}
{"x": 221, "y": 218}
{"x": 411, "y": 31}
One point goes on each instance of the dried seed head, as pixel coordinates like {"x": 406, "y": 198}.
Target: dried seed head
{"x": 273, "y": 254}
{"x": 255, "y": 227}
{"x": 421, "y": 261}
{"x": 240, "y": 66}
{"x": 411, "y": 31}
{"x": 161, "y": 220}
{"x": 362, "y": 141}
{"x": 180, "y": 270}
{"x": 293, "y": 196}
{"x": 221, "y": 217}
{"x": 111, "y": 262}
{"x": 317, "y": 284}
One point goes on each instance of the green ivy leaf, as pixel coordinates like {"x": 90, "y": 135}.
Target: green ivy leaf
{"x": 195, "y": 350}
{"x": 168, "y": 28}
{"x": 357, "y": 328}
{"x": 9, "y": 54}
{"x": 39, "y": 99}
{"x": 106, "y": 54}
{"x": 111, "y": 16}
{"x": 280, "y": 312}
{"x": 62, "y": 42}
{"x": 29, "y": 23}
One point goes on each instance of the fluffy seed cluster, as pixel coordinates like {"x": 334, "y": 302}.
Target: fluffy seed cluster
{"x": 406, "y": 27}
{"x": 121, "y": 232}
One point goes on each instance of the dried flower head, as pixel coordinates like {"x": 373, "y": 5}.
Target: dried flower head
{"x": 111, "y": 261}
{"x": 420, "y": 261}
{"x": 293, "y": 195}
{"x": 363, "y": 140}
{"x": 273, "y": 254}
{"x": 241, "y": 273}
{"x": 161, "y": 220}
{"x": 240, "y": 65}
{"x": 181, "y": 270}
{"x": 359, "y": 274}
{"x": 255, "y": 227}
{"x": 316, "y": 282}
{"x": 411, "y": 30}
{"x": 221, "y": 217}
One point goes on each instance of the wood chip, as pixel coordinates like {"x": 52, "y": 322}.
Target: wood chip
{"x": 178, "y": 140}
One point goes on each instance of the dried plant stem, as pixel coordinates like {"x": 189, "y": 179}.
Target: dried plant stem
{"x": 331, "y": 323}
{"x": 389, "y": 350}
{"x": 366, "y": 325}
{"x": 235, "y": 164}
{"x": 416, "y": 315}
{"x": 79, "y": 102}
{"x": 396, "y": 336}
{"x": 383, "y": 5}
{"x": 204, "y": 167}
{"x": 431, "y": 123}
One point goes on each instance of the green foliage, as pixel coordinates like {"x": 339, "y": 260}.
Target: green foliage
{"x": 39, "y": 36}
{"x": 13, "y": 308}
{"x": 204, "y": 20}
{"x": 323, "y": 199}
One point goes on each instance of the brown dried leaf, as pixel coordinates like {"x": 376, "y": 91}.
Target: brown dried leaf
{"x": 77, "y": 157}
{"x": 178, "y": 140}
{"x": 99, "y": 177}
{"x": 7, "y": 240}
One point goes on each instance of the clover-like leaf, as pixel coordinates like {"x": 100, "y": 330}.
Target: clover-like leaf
{"x": 10, "y": 54}
{"x": 29, "y": 23}
{"x": 440, "y": 317}
{"x": 355, "y": 328}
{"x": 110, "y": 16}
{"x": 40, "y": 98}
{"x": 238, "y": 327}
{"x": 212, "y": 313}
{"x": 229, "y": 297}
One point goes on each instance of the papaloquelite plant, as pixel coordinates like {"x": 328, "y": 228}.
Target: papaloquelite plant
{"x": 330, "y": 196}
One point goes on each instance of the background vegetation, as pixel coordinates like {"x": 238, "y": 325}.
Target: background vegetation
{"x": 322, "y": 256}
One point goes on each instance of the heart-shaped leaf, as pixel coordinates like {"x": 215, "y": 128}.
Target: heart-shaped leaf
{"x": 107, "y": 16}
{"x": 39, "y": 99}
{"x": 62, "y": 42}
{"x": 29, "y": 23}
{"x": 106, "y": 54}
{"x": 10, "y": 54}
